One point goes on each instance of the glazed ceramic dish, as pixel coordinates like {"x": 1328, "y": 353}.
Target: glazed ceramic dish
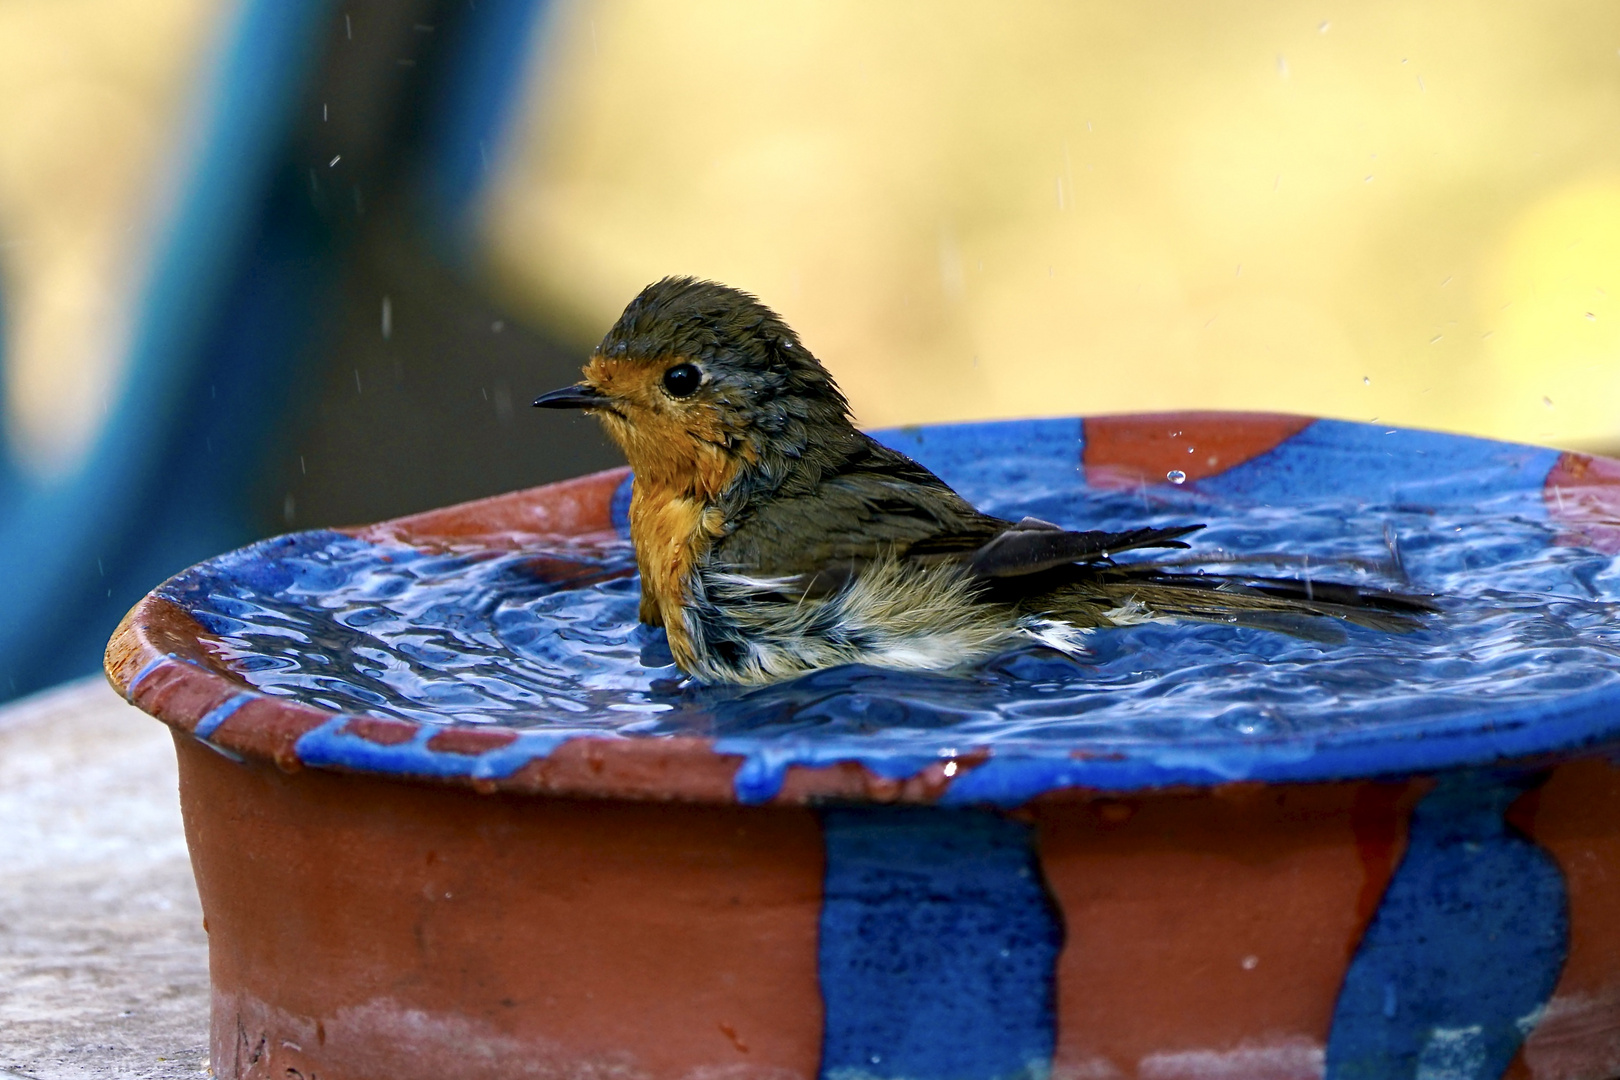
{"x": 454, "y": 815}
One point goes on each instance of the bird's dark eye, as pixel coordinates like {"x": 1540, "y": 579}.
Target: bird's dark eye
{"x": 682, "y": 380}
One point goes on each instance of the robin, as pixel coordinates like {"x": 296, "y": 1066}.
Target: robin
{"x": 774, "y": 538}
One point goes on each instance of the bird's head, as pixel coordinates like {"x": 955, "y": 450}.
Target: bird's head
{"x": 699, "y": 383}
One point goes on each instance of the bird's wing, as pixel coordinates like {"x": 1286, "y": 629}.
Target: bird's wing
{"x": 882, "y": 504}
{"x": 844, "y": 528}
{"x": 878, "y": 505}
{"x": 1032, "y": 545}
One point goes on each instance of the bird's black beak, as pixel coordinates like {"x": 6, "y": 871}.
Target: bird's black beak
{"x": 578, "y": 396}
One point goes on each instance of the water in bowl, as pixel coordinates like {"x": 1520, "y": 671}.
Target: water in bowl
{"x": 549, "y": 638}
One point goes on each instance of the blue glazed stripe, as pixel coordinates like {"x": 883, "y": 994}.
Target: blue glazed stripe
{"x": 146, "y": 669}
{"x": 766, "y": 762}
{"x": 1464, "y": 951}
{"x": 938, "y": 947}
{"x": 219, "y": 714}
{"x": 1585, "y": 722}
{"x": 1370, "y": 464}
{"x": 330, "y": 745}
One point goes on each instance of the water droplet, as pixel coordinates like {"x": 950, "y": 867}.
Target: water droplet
{"x": 950, "y": 768}
{"x": 1324, "y": 28}
{"x": 1190, "y": 449}
{"x": 1366, "y": 380}
{"x": 1547, "y": 401}
{"x": 1250, "y": 963}
{"x": 1591, "y": 316}
{"x": 1176, "y": 476}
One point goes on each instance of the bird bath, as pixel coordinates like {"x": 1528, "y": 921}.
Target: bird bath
{"x": 454, "y": 814}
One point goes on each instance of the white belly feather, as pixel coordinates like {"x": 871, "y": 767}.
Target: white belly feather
{"x": 746, "y": 629}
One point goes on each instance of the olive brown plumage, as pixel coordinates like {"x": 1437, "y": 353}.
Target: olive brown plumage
{"x": 773, "y": 537}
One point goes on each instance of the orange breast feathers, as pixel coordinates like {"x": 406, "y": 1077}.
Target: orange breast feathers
{"x": 682, "y": 461}
{"x": 671, "y": 530}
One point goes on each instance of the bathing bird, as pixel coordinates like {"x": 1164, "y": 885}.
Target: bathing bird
{"x": 774, "y": 538}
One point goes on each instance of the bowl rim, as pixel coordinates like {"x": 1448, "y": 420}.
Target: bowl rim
{"x": 164, "y": 662}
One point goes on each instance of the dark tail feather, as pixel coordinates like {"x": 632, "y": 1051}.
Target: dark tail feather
{"x": 1300, "y": 608}
{"x": 1281, "y": 604}
{"x": 1332, "y": 594}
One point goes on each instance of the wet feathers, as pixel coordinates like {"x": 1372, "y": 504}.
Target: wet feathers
{"x": 774, "y": 538}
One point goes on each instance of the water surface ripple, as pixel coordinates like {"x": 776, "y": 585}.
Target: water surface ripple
{"x": 549, "y": 638}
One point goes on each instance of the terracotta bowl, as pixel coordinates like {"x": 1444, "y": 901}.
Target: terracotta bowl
{"x": 401, "y": 899}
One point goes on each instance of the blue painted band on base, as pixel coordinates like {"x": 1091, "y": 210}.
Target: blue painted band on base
{"x": 938, "y": 947}
{"x": 1464, "y": 950}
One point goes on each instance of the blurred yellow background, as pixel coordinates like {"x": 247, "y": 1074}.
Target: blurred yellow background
{"x": 1409, "y": 212}
{"x": 1374, "y": 210}
{"x": 92, "y": 97}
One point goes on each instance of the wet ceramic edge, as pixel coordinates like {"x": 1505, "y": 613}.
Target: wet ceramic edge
{"x": 799, "y": 771}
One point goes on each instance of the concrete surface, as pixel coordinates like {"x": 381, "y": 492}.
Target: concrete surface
{"x": 103, "y": 960}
